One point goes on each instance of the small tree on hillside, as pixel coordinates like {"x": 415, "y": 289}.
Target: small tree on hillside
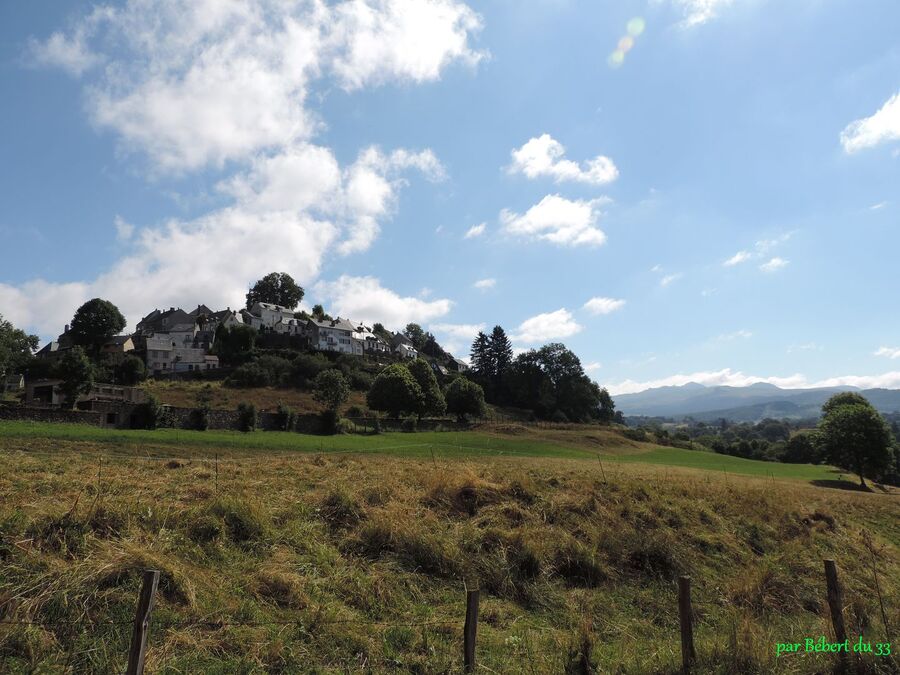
{"x": 480, "y": 356}
{"x": 330, "y": 388}
{"x": 855, "y": 436}
{"x": 277, "y": 288}
{"x": 234, "y": 344}
{"x": 77, "y": 373}
{"x": 607, "y": 409}
{"x": 464, "y": 398}
{"x": 416, "y": 335}
{"x": 434, "y": 400}
{"x": 396, "y": 391}
{"x": 95, "y": 322}
{"x": 16, "y": 347}
{"x": 131, "y": 371}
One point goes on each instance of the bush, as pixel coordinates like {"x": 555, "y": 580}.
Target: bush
{"x": 355, "y": 411}
{"x": 199, "y": 418}
{"x": 344, "y": 426}
{"x": 247, "y": 417}
{"x": 559, "y": 417}
{"x": 307, "y": 366}
{"x": 286, "y": 418}
{"x": 360, "y": 380}
{"x": 635, "y": 435}
{"x": 410, "y": 424}
{"x": 249, "y": 375}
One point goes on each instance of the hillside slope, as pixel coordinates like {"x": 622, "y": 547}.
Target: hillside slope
{"x": 336, "y": 563}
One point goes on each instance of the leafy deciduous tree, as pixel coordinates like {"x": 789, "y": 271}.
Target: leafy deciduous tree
{"x": 77, "y": 373}
{"x": 16, "y": 347}
{"x": 277, "y": 288}
{"x": 434, "y": 400}
{"x": 330, "y": 388}
{"x": 855, "y": 436}
{"x": 396, "y": 391}
{"x": 465, "y": 398}
{"x": 95, "y": 322}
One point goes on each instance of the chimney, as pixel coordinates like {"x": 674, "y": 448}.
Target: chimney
{"x": 66, "y": 329}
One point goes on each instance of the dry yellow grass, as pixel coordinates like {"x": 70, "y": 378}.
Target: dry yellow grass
{"x": 338, "y": 563}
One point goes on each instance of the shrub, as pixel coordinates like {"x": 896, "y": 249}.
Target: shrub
{"x": 344, "y": 426}
{"x": 329, "y": 422}
{"x": 199, "y": 418}
{"x": 355, "y": 411}
{"x": 410, "y": 424}
{"x": 249, "y": 375}
{"x": 559, "y": 416}
{"x": 286, "y": 418}
{"x": 247, "y": 417}
{"x": 360, "y": 380}
{"x": 635, "y": 435}
{"x": 307, "y": 366}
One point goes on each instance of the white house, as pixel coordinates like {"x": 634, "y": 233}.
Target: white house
{"x": 270, "y": 315}
{"x": 404, "y": 347}
{"x": 335, "y": 335}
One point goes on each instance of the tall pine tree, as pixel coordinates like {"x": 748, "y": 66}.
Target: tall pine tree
{"x": 480, "y": 357}
{"x": 501, "y": 359}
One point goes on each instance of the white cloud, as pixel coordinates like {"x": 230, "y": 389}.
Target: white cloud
{"x": 365, "y": 299}
{"x": 475, "y": 231}
{"x": 656, "y": 268}
{"x": 697, "y": 12}
{"x": 591, "y": 367}
{"x": 881, "y": 127}
{"x": 485, "y": 284}
{"x": 774, "y": 265}
{"x": 197, "y": 83}
{"x": 806, "y": 347}
{"x": 558, "y": 220}
{"x": 460, "y": 331}
{"x": 889, "y": 352}
{"x": 124, "y": 229}
{"x": 738, "y": 334}
{"x": 382, "y": 40}
{"x": 731, "y": 378}
{"x": 763, "y": 246}
{"x": 669, "y": 279}
{"x": 737, "y": 258}
{"x": 544, "y": 156}
{"x": 878, "y": 206}
{"x": 192, "y": 83}
{"x": 600, "y": 305}
{"x": 548, "y": 326}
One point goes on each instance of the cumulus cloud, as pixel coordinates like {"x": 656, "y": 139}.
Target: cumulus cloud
{"x": 697, "y": 12}
{"x": 460, "y": 331}
{"x": 600, "y": 305}
{"x": 737, "y": 259}
{"x": 889, "y": 352}
{"x": 192, "y": 83}
{"x": 545, "y": 156}
{"x": 729, "y": 377}
{"x": 881, "y": 127}
{"x": 485, "y": 284}
{"x": 198, "y": 83}
{"x": 774, "y": 264}
{"x": 670, "y": 279}
{"x": 548, "y": 326}
{"x": 475, "y": 231}
{"x": 558, "y": 220}
{"x": 365, "y": 299}
{"x": 591, "y": 367}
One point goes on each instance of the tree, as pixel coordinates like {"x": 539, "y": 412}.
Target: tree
{"x": 234, "y": 344}
{"x": 277, "y": 288}
{"x": 855, "y": 436}
{"x": 396, "y": 391}
{"x": 464, "y": 398}
{"x": 435, "y": 404}
{"x": 330, "y": 388}
{"x": 500, "y": 354}
{"x": 480, "y": 356}
{"x": 94, "y": 323}
{"x": 16, "y": 347}
{"x": 607, "y": 411}
{"x": 416, "y": 335}
{"x": 802, "y": 448}
{"x": 844, "y": 398}
{"x": 131, "y": 371}
{"x": 77, "y": 374}
{"x": 318, "y": 313}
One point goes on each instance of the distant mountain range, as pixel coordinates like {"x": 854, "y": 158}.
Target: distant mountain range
{"x": 742, "y": 404}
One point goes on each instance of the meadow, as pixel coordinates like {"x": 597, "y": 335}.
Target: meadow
{"x": 290, "y": 553}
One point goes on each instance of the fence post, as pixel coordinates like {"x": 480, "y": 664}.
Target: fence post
{"x": 142, "y": 623}
{"x": 470, "y": 630}
{"x": 217, "y": 473}
{"x": 685, "y": 613}
{"x": 835, "y": 601}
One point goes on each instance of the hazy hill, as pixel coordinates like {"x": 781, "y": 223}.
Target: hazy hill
{"x": 749, "y": 403}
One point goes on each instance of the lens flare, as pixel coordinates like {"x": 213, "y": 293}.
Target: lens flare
{"x": 616, "y": 59}
{"x": 636, "y": 26}
{"x": 625, "y": 44}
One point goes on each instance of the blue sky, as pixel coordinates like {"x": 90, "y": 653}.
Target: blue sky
{"x": 717, "y": 202}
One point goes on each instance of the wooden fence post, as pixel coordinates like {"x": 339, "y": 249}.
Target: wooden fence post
{"x": 835, "y": 601}
{"x": 685, "y": 613}
{"x": 142, "y": 623}
{"x": 470, "y": 630}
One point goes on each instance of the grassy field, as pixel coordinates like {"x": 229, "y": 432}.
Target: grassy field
{"x": 515, "y": 441}
{"x": 286, "y": 557}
